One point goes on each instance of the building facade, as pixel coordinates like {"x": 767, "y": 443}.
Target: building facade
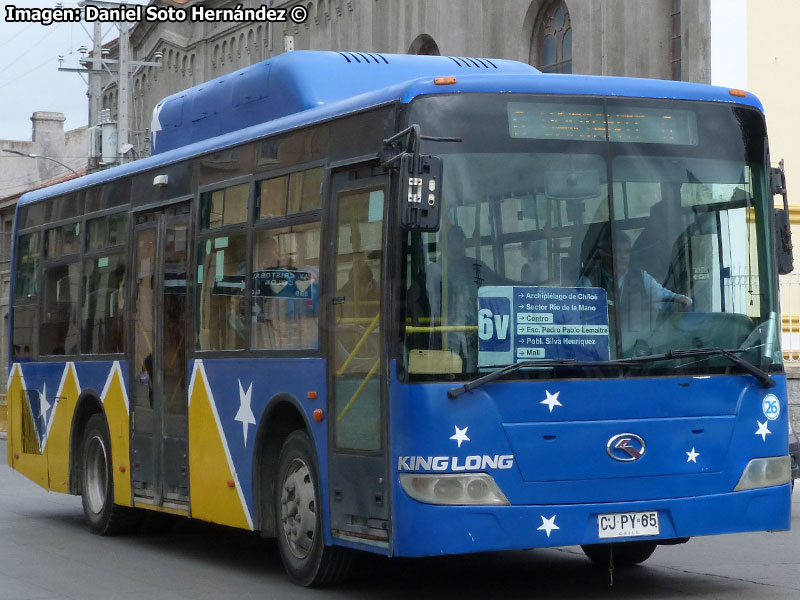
{"x": 19, "y": 174}
{"x": 663, "y": 39}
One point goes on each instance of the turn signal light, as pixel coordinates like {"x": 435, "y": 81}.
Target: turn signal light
{"x": 737, "y": 93}
{"x": 445, "y": 80}
{"x": 318, "y": 416}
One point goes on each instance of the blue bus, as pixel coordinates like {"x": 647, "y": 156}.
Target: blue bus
{"x": 414, "y": 306}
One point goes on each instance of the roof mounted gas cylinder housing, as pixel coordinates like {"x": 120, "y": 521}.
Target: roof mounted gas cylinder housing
{"x": 294, "y": 82}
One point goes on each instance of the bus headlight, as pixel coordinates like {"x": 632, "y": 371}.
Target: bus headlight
{"x": 765, "y": 472}
{"x": 452, "y": 489}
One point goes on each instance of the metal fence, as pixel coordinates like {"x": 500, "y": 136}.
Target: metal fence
{"x": 790, "y": 311}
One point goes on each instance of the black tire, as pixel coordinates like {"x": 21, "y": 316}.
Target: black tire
{"x": 626, "y": 554}
{"x": 298, "y": 518}
{"x": 97, "y": 483}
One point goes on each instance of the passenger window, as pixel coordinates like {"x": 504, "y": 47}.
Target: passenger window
{"x": 221, "y": 302}
{"x": 285, "y": 288}
{"x": 305, "y": 190}
{"x": 227, "y": 206}
{"x": 107, "y": 231}
{"x": 271, "y": 199}
{"x": 26, "y": 290}
{"x": 58, "y": 329}
{"x": 103, "y": 301}
{"x": 62, "y": 241}
{"x": 26, "y": 280}
{"x": 65, "y": 207}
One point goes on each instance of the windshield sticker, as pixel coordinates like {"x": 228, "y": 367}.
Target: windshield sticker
{"x": 535, "y": 323}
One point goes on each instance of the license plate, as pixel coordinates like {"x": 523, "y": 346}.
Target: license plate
{"x": 633, "y": 524}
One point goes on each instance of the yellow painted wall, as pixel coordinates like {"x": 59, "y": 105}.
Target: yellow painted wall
{"x": 773, "y": 74}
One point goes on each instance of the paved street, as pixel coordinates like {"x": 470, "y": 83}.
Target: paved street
{"x": 47, "y": 553}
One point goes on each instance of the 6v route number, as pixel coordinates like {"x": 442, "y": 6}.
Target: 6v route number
{"x": 632, "y": 524}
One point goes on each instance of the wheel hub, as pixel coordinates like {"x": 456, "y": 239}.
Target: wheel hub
{"x": 96, "y": 475}
{"x": 298, "y": 508}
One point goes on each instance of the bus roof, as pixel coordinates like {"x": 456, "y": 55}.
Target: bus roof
{"x": 313, "y": 86}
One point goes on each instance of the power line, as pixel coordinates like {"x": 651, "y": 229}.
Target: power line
{"x": 16, "y": 35}
{"x": 18, "y": 60}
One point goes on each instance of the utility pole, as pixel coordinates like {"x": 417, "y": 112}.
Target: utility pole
{"x": 95, "y": 85}
{"x": 122, "y": 90}
{"x": 120, "y": 72}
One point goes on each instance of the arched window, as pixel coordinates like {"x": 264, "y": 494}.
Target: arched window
{"x": 551, "y": 44}
{"x": 424, "y": 44}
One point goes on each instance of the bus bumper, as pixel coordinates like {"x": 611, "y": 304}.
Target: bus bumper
{"x": 426, "y": 530}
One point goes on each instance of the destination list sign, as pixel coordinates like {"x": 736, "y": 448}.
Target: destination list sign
{"x": 537, "y": 323}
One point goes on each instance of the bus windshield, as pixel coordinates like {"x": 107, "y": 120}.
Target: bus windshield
{"x": 591, "y": 229}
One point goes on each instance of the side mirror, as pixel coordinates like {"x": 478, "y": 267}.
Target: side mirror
{"x": 783, "y": 227}
{"x": 420, "y": 191}
{"x": 783, "y": 242}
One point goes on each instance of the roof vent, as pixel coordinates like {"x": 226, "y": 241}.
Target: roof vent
{"x": 475, "y": 63}
{"x": 364, "y": 57}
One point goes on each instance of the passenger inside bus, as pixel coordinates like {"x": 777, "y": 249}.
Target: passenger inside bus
{"x": 464, "y": 276}
{"x": 641, "y": 298}
{"x": 534, "y": 271}
{"x": 361, "y": 292}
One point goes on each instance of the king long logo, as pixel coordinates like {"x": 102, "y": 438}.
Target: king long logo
{"x": 625, "y": 447}
{"x": 455, "y": 463}
{"x": 483, "y": 462}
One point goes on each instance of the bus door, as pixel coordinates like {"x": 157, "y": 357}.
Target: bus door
{"x": 159, "y": 409}
{"x": 357, "y": 407}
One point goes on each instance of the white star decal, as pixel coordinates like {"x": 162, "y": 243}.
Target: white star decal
{"x": 763, "y": 431}
{"x": 460, "y": 435}
{"x": 44, "y": 405}
{"x": 692, "y": 456}
{"x": 245, "y": 415}
{"x": 548, "y": 525}
{"x": 551, "y": 400}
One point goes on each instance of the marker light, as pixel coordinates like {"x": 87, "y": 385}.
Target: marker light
{"x": 765, "y": 472}
{"x": 737, "y": 93}
{"x": 444, "y": 80}
{"x": 452, "y": 489}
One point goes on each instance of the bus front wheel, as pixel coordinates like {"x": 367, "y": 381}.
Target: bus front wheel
{"x": 625, "y": 554}
{"x": 298, "y": 513}
{"x": 97, "y": 482}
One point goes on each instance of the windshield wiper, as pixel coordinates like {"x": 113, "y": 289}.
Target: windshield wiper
{"x": 762, "y": 376}
{"x": 571, "y": 362}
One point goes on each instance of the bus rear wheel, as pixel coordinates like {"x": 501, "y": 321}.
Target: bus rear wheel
{"x": 97, "y": 483}
{"x": 626, "y": 554}
{"x": 298, "y": 513}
